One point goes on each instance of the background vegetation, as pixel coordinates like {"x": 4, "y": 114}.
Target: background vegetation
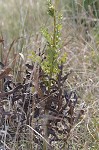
{"x": 20, "y": 28}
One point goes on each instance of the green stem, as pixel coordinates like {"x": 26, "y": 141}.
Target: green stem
{"x": 54, "y": 43}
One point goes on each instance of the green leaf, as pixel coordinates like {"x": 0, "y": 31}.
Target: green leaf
{"x": 63, "y": 58}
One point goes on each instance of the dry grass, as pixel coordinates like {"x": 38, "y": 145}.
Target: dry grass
{"x": 24, "y": 19}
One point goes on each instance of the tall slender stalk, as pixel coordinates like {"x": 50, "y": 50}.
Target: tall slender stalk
{"x": 52, "y": 48}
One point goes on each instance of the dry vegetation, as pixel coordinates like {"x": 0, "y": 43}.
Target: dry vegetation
{"x": 20, "y": 28}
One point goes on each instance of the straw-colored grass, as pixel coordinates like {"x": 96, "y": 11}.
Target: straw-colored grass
{"x": 21, "y": 22}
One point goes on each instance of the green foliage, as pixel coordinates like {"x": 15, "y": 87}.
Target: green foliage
{"x": 74, "y": 7}
{"x": 51, "y": 8}
{"x": 50, "y": 65}
{"x": 35, "y": 58}
{"x": 93, "y": 5}
{"x": 53, "y": 57}
{"x": 53, "y": 39}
